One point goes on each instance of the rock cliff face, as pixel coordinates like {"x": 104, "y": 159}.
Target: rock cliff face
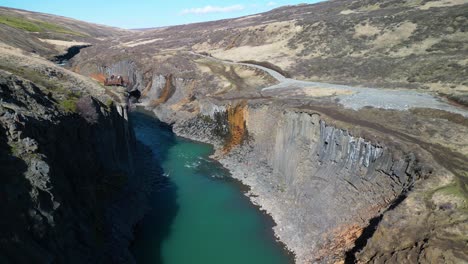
{"x": 326, "y": 189}
{"x": 62, "y": 175}
{"x": 322, "y": 183}
{"x": 126, "y": 68}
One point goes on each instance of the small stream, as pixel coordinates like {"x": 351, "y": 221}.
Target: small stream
{"x": 71, "y": 52}
{"x": 198, "y": 215}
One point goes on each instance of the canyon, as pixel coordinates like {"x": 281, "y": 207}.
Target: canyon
{"x": 346, "y": 119}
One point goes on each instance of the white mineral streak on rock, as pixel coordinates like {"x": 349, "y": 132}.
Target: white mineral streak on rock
{"x": 210, "y": 109}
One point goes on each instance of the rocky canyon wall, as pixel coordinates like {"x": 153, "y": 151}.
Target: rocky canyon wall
{"x": 322, "y": 185}
{"x": 63, "y": 176}
{"x": 125, "y": 68}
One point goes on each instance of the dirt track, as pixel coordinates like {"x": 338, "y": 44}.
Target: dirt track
{"x": 359, "y": 97}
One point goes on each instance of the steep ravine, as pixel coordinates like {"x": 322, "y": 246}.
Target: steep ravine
{"x": 65, "y": 175}
{"x": 331, "y": 179}
{"x": 198, "y": 213}
{"x": 349, "y": 174}
{"x": 331, "y": 185}
{"x": 321, "y": 184}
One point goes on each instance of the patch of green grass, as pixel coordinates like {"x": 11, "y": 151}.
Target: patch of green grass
{"x": 453, "y": 189}
{"x": 16, "y": 149}
{"x": 205, "y": 118}
{"x": 58, "y": 29}
{"x": 68, "y": 105}
{"x": 74, "y": 95}
{"x": 65, "y": 97}
{"x": 109, "y": 103}
{"x": 19, "y": 23}
{"x": 32, "y": 75}
{"x": 36, "y": 26}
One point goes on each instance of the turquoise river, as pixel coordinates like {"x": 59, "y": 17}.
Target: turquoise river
{"x": 198, "y": 214}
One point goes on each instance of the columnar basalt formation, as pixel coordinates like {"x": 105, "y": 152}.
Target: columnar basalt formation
{"x": 127, "y": 69}
{"x": 321, "y": 184}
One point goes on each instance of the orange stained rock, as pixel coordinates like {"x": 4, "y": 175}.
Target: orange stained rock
{"x": 341, "y": 239}
{"x": 100, "y": 77}
{"x": 167, "y": 92}
{"x": 147, "y": 88}
{"x": 76, "y": 69}
{"x": 237, "y": 127}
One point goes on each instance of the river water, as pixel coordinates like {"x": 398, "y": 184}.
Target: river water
{"x": 198, "y": 214}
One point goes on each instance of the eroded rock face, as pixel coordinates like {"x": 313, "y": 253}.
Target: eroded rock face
{"x": 326, "y": 183}
{"x": 125, "y": 68}
{"x": 62, "y": 177}
{"x": 321, "y": 184}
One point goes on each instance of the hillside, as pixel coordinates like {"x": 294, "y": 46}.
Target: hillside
{"x": 48, "y": 35}
{"x": 66, "y": 149}
{"x": 391, "y": 43}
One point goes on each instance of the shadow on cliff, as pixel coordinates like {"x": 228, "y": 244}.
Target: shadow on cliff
{"x": 14, "y": 196}
{"x": 154, "y": 139}
{"x": 368, "y": 232}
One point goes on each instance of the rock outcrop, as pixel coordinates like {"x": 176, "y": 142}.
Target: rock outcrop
{"x": 64, "y": 170}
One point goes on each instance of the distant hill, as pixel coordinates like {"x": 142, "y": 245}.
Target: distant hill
{"x": 48, "y": 34}
{"x": 389, "y": 43}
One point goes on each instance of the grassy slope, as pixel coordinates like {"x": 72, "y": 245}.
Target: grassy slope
{"x": 36, "y": 26}
{"x": 26, "y": 30}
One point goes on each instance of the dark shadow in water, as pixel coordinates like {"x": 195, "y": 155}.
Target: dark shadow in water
{"x": 154, "y": 139}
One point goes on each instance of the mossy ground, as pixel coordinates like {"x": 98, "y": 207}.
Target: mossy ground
{"x": 64, "y": 97}
{"x": 69, "y": 105}
{"x": 453, "y": 189}
{"x": 36, "y": 25}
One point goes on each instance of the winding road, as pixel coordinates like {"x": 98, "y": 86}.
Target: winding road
{"x": 358, "y": 97}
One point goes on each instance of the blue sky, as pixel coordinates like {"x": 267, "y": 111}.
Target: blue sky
{"x": 149, "y": 13}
